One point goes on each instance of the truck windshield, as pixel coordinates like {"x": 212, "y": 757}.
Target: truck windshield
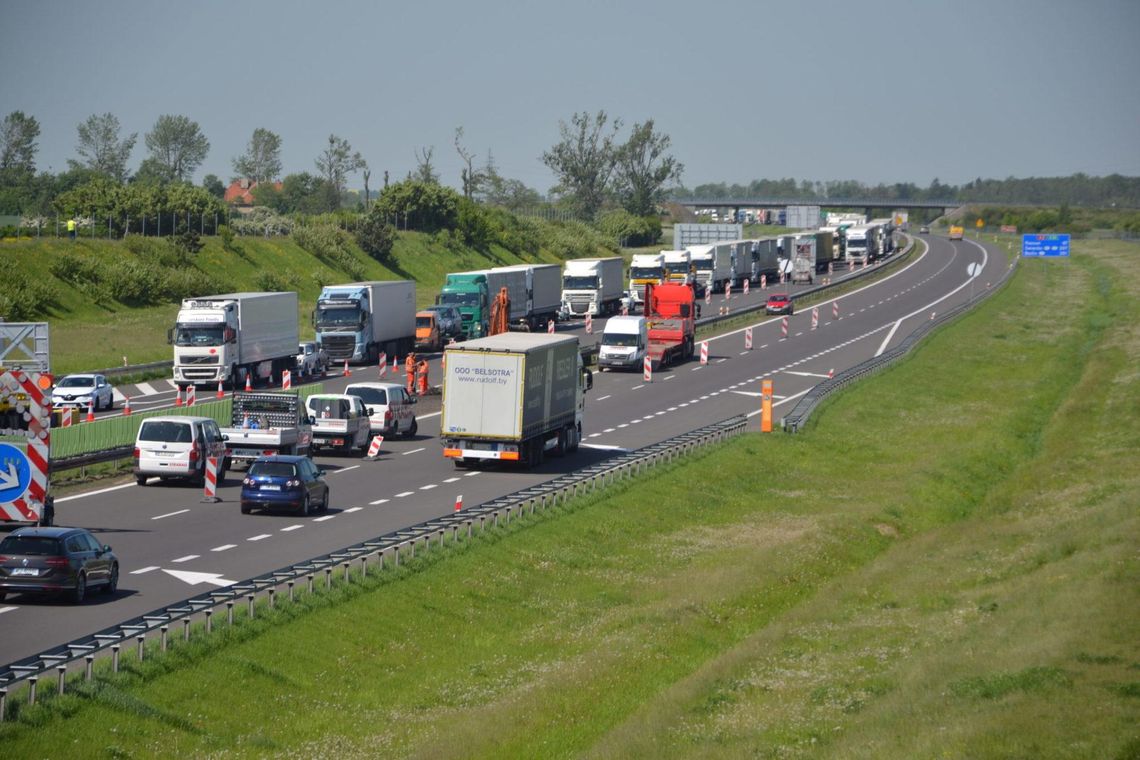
{"x": 646, "y": 273}
{"x": 678, "y": 268}
{"x": 619, "y": 339}
{"x": 703, "y": 266}
{"x": 583, "y": 282}
{"x": 338, "y": 317}
{"x": 459, "y": 299}
{"x": 198, "y": 335}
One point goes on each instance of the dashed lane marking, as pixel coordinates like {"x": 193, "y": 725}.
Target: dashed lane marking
{"x": 143, "y": 570}
{"x": 187, "y": 558}
{"x": 429, "y": 486}
{"x": 259, "y": 537}
{"x": 224, "y": 548}
{"x": 404, "y": 493}
{"x": 450, "y": 480}
{"x": 353, "y": 509}
{"x": 326, "y": 517}
{"x": 603, "y": 398}
{"x": 413, "y": 451}
{"x": 350, "y": 467}
{"x": 170, "y": 514}
{"x": 378, "y": 501}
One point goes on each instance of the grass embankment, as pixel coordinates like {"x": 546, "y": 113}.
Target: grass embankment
{"x": 943, "y": 565}
{"x": 86, "y": 335}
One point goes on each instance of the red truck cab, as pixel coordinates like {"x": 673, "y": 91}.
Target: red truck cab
{"x": 670, "y": 314}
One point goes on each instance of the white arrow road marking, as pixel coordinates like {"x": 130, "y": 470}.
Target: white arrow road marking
{"x": 806, "y": 374}
{"x": 214, "y": 579}
{"x": 9, "y": 479}
{"x": 7, "y": 609}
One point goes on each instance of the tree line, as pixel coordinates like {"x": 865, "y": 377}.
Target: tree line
{"x": 1079, "y": 189}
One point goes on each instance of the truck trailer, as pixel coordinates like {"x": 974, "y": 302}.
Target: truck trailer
{"x": 592, "y": 286}
{"x": 513, "y": 397}
{"x": 356, "y": 321}
{"x": 234, "y": 336}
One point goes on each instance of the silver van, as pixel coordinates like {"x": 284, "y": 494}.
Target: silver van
{"x": 177, "y": 447}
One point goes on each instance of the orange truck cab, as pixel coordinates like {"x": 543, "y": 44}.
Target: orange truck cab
{"x": 428, "y": 337}
{"x": 670, "y": 311}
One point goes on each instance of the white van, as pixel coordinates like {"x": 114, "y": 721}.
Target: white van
{"x": 177, "y": 447}
{"x": 624, "y": 343}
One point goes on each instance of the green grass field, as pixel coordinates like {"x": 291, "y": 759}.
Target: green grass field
{"x": 943, "y": 565}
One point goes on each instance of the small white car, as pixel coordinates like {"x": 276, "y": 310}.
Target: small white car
{"x": 393, "y": 410}
{"x": 78, "y": 390}
{"x": 311, "y": 359}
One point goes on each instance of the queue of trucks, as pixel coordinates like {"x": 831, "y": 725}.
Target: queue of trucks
{"x": 592, "y": 286}
{"x": 534, "y": 290}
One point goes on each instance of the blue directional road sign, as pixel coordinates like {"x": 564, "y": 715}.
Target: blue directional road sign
{"x": 1044, "y": 245}
{"x": 15, "y": 473}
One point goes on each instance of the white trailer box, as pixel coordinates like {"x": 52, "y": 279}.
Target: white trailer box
{"x": 592, "y": 286}
{"x": 535, "y": 291}
{"x": 225, "y": 338}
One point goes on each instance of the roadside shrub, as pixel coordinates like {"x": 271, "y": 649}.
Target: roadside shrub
{"x": 76, "y": 269}
{"x": 136, "y": 283}
{"x": 472, "y": 225}
{"x": 187, "y": 282}
{"x": 24, "y": 298}
{"x": 630, "y": 230}
{"x": 262, "y": 221}
{"x": 187, "y": 242}
{"x": 376, "y": 237}
{"x": 415, "y": 205}
{"x": 161, "y": 252}
{"x": 330, "y": 245}
{"x": 276, "y": 281}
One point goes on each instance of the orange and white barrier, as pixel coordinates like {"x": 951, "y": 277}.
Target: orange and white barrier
{"x": 647, "y": 370}
{"x": 727, "y": 291}
{"x": 745, "y": 286}
{"x": 747, "y": 338}
{"x": 708, "y": 296}
{"x": 210, "y": 489}
{"x": 814, "y": 317}
{"x": 704, "y": 352}
{"x": 459, "y": 502}
{"x": 191, "y": 395}
{"x": 784, "y": 327}
{"x": 374, "y": 447}
{"x": 589, "y": 324}
{"x": 65, "y": 416}
{"x": 550, "y": 326}
{"x": 831, "y": 373}
{"x": 763, "y": 282}
{"x": 382, "y": 365}
{"x": 286, "y": 380}
{"x": 835, "y": 309}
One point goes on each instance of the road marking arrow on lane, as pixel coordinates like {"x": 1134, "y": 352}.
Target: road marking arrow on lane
{"x": 192, "y": 578}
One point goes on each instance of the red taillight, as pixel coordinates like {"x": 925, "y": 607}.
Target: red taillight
{"x": 387, "y": 416}
{"x": 57, "y": 562}
{"x": 194, "y": 455}
{"x": 136, "y": 452}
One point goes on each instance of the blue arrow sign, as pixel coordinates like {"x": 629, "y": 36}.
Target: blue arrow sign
{"x": 15, "y": 472}
{"x": 1044, "y": 245}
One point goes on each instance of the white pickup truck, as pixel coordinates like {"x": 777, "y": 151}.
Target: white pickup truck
{"x": 265, "y": 424}
{"x": 340, "y": 421}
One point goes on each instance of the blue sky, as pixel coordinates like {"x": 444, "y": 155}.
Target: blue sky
{"x": 877, "y": 91}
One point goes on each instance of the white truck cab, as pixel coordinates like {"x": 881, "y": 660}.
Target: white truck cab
{"x": 624, "y": 343}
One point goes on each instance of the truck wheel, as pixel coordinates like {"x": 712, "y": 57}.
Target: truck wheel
{"x": 412, "y": 429}
{"x": 563, "y": 443}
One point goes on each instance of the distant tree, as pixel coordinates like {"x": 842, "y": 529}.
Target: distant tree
{"x": 177, "y": 146}
{"x": 214, "y": 186}
{"x": 335, "y": 163}
{"x": 100, "y": 148}
{"x": 583, "y": 160}
{"x": 152, "y": 172}
{"x": 425, "y": 168}
{"x": 261, "y": 161}
{"x": 471, "y": 179}
{"x": 644, "y": 168}
{"x": 18, "y": 147}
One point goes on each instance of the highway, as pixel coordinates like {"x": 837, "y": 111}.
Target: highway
{"x": 172, "y": 545}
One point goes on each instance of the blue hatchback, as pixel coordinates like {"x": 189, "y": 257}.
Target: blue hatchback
{"x": 284, "y": 482}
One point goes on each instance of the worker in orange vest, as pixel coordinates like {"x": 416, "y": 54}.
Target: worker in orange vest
{"x": 410, "y": 369}
{"x": 422, "y": 377}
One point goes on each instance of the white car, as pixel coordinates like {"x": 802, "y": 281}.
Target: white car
{"x": 392, "y": 408}
{"x": 79, "y": 390}
{"x": 311, "y": 359}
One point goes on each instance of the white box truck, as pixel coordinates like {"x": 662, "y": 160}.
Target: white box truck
{"x": 356, "y": 321}
{"x": 592, "y": 286}
{"x": 227, "y": 338}
{"x": 512, "y": 397}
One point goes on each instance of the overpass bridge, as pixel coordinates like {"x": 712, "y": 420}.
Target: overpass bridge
{"x": 864, "y": 202}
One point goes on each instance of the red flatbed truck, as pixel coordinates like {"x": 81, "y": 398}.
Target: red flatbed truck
{"x": 670, "y": 313}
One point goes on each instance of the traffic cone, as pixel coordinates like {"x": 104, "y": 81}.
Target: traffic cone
{"x": 347, "y": 371}
{"x": 91, "y": 410}
{"x": 221, "y": 393}
{"x": 459, "y": 502}
{"x": 126, "y": 406}
{"x": 248, "y": 383}
{"x": 178, "y": 396}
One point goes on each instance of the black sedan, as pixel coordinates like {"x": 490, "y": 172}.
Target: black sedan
{"x": 290, "y": 482}
{"x": 56, "y": 561}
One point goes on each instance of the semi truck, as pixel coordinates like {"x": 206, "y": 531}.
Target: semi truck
{"x": 860, "y": 243}
{"x": 766, "y": 259}
{"x": 678, "y": 267}
{"x": 535, "y": 292}
{"x": 356, "y": 321}
{"x": 645, "y": 269}
{"x": 804, "y": 252}
{"x": 670, "y": 314}
{"x": 592, "y": 286}
{"x": 513, "y": 397}
{"x": 712, "y": 265}
{"x": 264, "y": 424}
{"x": 233, "y": 337}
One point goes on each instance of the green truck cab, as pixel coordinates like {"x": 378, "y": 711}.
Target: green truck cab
{"x": 468, "y": 292}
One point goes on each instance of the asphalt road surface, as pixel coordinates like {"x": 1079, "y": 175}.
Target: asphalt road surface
{"x": 172, "y": 545}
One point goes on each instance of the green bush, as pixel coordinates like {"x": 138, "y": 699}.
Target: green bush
{"x": 472, "y": 225}
{"x": 630, "y": 230}
{"x": 376, "y": 236}
{"x": 23, "y": 298}
{"x": 76, "y": 269}
{"x": 276, "y": 281}
{"x": 330, "y": 245}
{"x": 135, "y": 283}
{"x": 415, "y": 205}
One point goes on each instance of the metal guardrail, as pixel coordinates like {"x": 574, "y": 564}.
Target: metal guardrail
{"x": 807, "y": 404}
{"x": 365, "y": 556}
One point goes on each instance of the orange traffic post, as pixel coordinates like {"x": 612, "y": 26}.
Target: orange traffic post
{"x": 766, "y": 406}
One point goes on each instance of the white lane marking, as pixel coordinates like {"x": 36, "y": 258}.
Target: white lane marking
{"x": 170, "y": 514}
{"x": 428, "y": 416}
{"x": 326, "y": 517}
{"x": 7, "y": 609}
{"x": 799, "y": 334}
{"x": 402, "y": 494}
{"x": 414, "y": 451}
{"x": 94, "y": 493}
{"x": 173, "y": 385}
{"x": 682, "y": 406}
{"x": 722, "y": 361}
{"x": 749, "y": 393}
{"x": 594, "y": 435}
{"x": 603, "y": 398}
{"x": 346, "y": 469}
{"x": 785, "y": 400}
{"x": 450, "y": 480}
{"x": 672, "y": 409}
{"x": 187, "y": 558}
{"x": 291, "y": 527}
{"x": 378, "y": 501}
{"x": 259, "y": 537}
{"x": 694, "y": 369}
{"x": 806, "y": 374}
{"x": 224, "y": 548}
{"x": 353, "y": 509}
{"x": 637, "y": 386}
{"x": 602, "y": 447}
{"x": 744, "y": 353}
{"x": 634, "y": 422}
{"x": 146, "y": 389}
{"x": 471, "y": 474}
{"x": 428, "y": 487}
{"x": 142, "y": 570}
{"x": 647, "y": 417}
{"x": 886, "y": 340}
{"x": 608, "y": 430}
{"x": 764, "y": 346}
{"x": 624, "y": 425}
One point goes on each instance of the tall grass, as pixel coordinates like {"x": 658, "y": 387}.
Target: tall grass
{"x": 944, "y": 565}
